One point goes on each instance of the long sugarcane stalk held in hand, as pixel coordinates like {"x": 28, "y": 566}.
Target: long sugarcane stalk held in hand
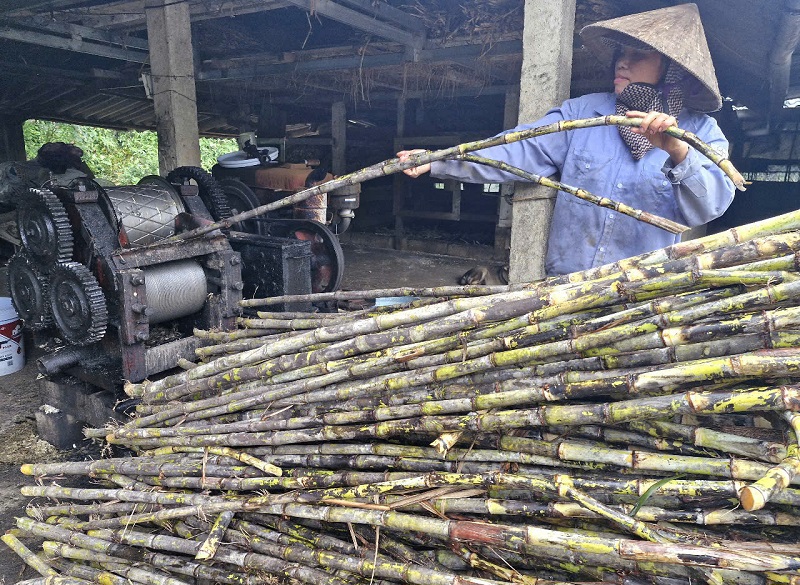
{"x": 394, "y": 165}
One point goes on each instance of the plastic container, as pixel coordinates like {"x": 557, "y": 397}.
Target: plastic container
{"x": 240, "y": 159}
{"x": 12, "y": 349}
{"x": 392, "y": 301}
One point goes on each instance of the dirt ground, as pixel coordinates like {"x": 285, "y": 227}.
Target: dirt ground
{"x": 365, "y": 269}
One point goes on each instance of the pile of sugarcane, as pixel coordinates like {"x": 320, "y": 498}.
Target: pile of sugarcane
{"x": 634, "y": 423}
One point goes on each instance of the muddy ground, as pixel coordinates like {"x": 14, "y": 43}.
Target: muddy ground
{"x": 366, "y": 268}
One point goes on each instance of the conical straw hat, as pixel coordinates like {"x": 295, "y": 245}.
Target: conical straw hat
{"x": 677, "y": 33}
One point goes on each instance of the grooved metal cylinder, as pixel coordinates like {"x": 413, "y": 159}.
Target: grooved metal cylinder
{"x": 145, "y": 213}
{"x": 174, "y": 290}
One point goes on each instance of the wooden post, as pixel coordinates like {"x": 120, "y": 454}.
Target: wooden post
{"x": 398, "y": 185}
{"x": 546, "y": 72}
{"x": 12, "y": 140}
{"x": 502, "y": 231}
{"x": 172, "y": 69}
{"x": 339, "y": 134}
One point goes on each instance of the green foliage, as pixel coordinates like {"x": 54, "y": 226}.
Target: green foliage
{"x": 120, "y": 157}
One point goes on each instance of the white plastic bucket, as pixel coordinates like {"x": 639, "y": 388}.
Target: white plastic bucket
{"x": 12, "y": 349}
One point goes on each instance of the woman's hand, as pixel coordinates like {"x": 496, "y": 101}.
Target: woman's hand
{"x": 415, "y": 171}
{"x": 653, "y": 126}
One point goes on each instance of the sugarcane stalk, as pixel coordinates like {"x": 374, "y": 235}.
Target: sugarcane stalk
{"x": 776, "y": 398}
{"x": 112, "y": 563}
{"x": 330, "y": 333}
{"x": 91, "y": 574}
{"x": 124, "y": 495}
{"x": 758, "y": 240}
{"x": 736, "y": 277}
{"x": 55, "y": 580}
{"x": 506, "y": 573}
{"x": 140, "y": 466}
{"x": 394, "y": 165}
{"x": 528, "y": 509}
{"x": 365, "y": 566}
{"x": 527, "y": 537}
{"x": 41, "y": 512}
{"x": 256, "y": 396}
{"x": 28, "y": 557}
{"x": 243, "y": 374}
{"x": 712, "y": 439}
{"x": 756, "y": 495}
{"x": 211, "y": 545}
{"x": 668, "y": 225}
{"x": 228, "y": 336}
{"x": 280, "y": 530}
{"x": 130, "y": 539}
{"x": 632, "y": 439}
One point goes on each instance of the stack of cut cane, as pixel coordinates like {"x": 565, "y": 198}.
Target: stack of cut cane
{"x": 635, "y": 423}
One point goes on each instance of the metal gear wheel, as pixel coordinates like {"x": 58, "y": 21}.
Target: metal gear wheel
{"x": 44, "y": 229}
{"x": 209, "y": 190}
{"x": 29, "y": 292}
{"x": 78, "y": 304}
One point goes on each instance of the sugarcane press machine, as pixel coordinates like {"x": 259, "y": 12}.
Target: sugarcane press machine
{"x": 102, "y": 271}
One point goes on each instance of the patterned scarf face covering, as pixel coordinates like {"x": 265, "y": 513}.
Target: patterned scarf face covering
{"x": 667, "y": 97}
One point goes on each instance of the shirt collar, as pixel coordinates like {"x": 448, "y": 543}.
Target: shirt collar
{"x": 606, "y": 105}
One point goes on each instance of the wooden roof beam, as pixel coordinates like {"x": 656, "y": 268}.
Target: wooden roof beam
{"x": 367, "y": 22}
{"x": 299, "y": 64}
{"x": 388, "y": 13}
{"x": 74, "y": 30}
{"x": 74, "y": 43}
{"x": 130, "y": 14}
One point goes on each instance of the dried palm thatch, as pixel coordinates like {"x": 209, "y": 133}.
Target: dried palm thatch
{"x": 488, "y": 21}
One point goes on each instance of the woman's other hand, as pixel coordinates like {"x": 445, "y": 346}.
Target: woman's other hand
{"x": 653, "y": 126}
{"x": 414, "y": 171}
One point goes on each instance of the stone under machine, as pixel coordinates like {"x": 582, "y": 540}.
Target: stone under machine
{"x": 100, "y": 272}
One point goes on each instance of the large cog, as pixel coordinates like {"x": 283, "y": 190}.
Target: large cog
{"x": 78, "y": 304}
{"x": 209, "y": 190}
{"x": 44, "y": 229}
{"x": 29, "y": 292}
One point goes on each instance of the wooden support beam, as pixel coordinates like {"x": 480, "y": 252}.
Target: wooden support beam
{"x": 174, "y": 97}
{"x": 339, "y": 134}
{"x": 12, "y": 140}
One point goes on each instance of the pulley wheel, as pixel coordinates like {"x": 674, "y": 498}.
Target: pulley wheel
{"x": 241, "y": 198}
{"x": 78, "y": 304}
{"x": 327, "y": 262}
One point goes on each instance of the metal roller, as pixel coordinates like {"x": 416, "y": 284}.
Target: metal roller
{"x": 145, "y": 213}
{"x": 174, "y": 290}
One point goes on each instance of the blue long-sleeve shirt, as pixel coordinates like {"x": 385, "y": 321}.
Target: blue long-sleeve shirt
{"x": 583, "y": 235}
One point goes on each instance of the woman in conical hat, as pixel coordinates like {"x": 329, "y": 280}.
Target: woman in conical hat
{"x": 662, "y": 71}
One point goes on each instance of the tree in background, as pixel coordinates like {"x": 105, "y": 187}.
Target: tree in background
{"x": 120, "y": 157}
